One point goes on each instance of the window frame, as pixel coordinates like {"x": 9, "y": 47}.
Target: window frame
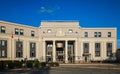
{"x": 21, "y": 31}
{"x": 97, "y": 49}
{"x": 109, "y": 34}
{"x": 19, "y": 49}
{"x": 32, "y": 49}
{"x": 109, "y": 47}
{"x": 86, "y": 49}
{"x": 85, "y": 34}
{"x": 16, "y": 31}
{"x": 32, "y": 33}
{"x": 3, "y": 49}
{"x": 3, "y": 29}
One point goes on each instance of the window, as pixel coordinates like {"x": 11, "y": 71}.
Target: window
{"x": 32, "y": 49}
{"x": 97, "y": 34}
{"x": 70, "y": 31}
{"x": 3, "y": 48}
{"x": 32, "y": 33}
{"x": 109, "y": 49}
{"x": 49, "y": 31}
{"x": 3, "y": 29}
{"x": 97, "y": 49}
{"x": 85, "y": 34}
{"x": 21, "y": 32}
{"x": 19, "y": 49}
{"x": 85, "y": 47}
{"x": 109, "y": 34}
{"x": 2, "y": 43}
{"x": 16, "y": 31}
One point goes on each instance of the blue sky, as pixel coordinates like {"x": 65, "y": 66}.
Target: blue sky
{"x": 90, "y": 13}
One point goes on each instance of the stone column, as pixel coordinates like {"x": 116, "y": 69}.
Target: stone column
{"x": 76, "y": 56}
{"x": 44, "y": 51}
{"x": 66, "y": 51}
{"x": 54, "y": 52}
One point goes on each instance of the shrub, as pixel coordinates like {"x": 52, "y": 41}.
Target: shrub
{"x": 36, "y": 64}
{"x": 42, "y": 64}
{"x": 54, "y": 64}
{"x": 29, "y": 63}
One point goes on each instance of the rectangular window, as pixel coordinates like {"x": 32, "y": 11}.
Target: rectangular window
{"x": 32, "y": 33}
{"x": 99, "y": 34}
{"x": 2, "y": 43}
{"x": 95, "y": 34}
{"x": 85, "y": 47}
{"x": 32, "y": 49}
{"x": 109, "y": 49}
{"x": 97, "y": 49}
{"x": 3, "y": 48}
{"x": 109, "y": 34}
{"x": 19, "y": 49}
{"x": 85, "y": 34}
{"x": 21, "y": 32}
{"x": 16, "y": 31}
{"x": 3, "y": 28}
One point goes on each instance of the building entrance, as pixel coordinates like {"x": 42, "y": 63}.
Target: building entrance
{"x": 60, "y": 51}
{"x": 49, "y": 51}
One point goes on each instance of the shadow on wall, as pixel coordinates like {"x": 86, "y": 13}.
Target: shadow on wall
{"x": 114, "y": 58}
{"x": 118, "y": 55}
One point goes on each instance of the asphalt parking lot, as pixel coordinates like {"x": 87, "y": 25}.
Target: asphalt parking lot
{"x": 62, "y": 71}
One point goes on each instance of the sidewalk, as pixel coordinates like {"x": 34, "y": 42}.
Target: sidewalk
{"x": 98, "y": 66}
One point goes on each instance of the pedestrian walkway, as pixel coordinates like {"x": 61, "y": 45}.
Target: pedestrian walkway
{"x": 98, "y": 66}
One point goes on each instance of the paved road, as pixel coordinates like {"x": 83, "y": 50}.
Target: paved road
{"x": 63, "y": 71}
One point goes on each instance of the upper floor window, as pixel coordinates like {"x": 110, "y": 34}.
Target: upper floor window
{"x": 109, "y": 34}
{"x": 21, "y": 32}
{"x": 85, "y": 34}
{"x": 32, "y": 33}
{"x": 97, "y": 34}
{"x": 16, "y": 31}
{"x": 49, "y": 31}
{"x": 70, "y": 31}
{"x": 3, "y": 29}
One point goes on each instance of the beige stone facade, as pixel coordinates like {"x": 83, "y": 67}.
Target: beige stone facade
{"x": 56, "y": 41}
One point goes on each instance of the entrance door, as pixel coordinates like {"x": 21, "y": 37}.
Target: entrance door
{"x": 60, "y": 52}
{"x": 86, "y": 58}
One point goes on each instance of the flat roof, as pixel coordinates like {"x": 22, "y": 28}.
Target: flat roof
{"x": 59, "y": 21}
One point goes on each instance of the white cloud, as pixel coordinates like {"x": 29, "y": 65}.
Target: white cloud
{"x": 49, "y": 9}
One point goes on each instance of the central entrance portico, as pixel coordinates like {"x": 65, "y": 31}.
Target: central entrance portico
{"x": 61, "y": 51}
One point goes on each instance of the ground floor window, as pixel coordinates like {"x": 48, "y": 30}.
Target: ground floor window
{"x": 85, "y": 47}
{"x": 3, "y": 48}
{"x": 109, "y": 49}
{"x": 32, "y": 49}
{"x": 19, "y": 49}
{"x": 97, "y": 49}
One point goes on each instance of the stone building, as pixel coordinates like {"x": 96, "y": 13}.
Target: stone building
{"x": 57, "y": 41}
